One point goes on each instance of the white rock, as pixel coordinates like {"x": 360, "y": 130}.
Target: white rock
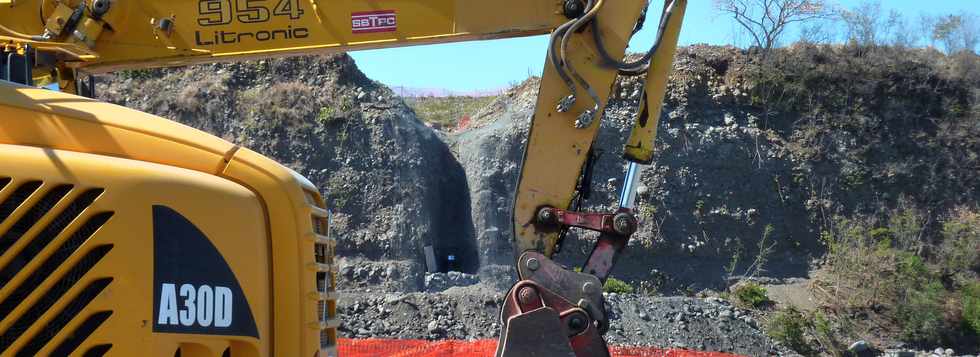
{"x": 642, "y": 190}
{"x": 859, "y": 346}
{"x": 729, "y": 119}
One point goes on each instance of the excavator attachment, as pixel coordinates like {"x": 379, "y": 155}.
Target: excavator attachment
{"x": 639, "y": 146}
{"x": 551, "y": 304}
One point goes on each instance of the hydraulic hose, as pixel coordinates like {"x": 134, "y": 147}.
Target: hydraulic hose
{"x": 641, "y": 65}
{"x": 586, "y": 117}
{"x": 25, "y": 36}
{"x": 558, "y": 62}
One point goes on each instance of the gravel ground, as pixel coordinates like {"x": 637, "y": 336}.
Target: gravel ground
{"x": 471, "y": 312}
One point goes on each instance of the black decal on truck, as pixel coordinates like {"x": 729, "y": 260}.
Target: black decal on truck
{"x": 194, "y": 290}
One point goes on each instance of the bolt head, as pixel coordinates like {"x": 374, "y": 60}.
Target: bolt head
{"x": 588, "y": 287}
{"x": 533, "y": 264}
{"x": 624, "y": 224}
{"x": 576, "y": 323}
{"x": 547, "y": 216}
{"x": 527, "y": 295}
{"x": 99, "y": 7}
{"x": 573, "y": 9}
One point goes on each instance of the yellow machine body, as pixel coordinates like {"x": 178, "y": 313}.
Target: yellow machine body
{"x": 267, "y": 223}
{"x": 209, "y": 30}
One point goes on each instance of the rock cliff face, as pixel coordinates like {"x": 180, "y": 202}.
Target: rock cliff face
{"x": 491, "y": 154}
{"x": 747, "y": 162}
{"x": 753, "y": 159}
{"x": 714, "y": 187}
{"x": 756, "y": 158}
{"x": 392, "y": 183}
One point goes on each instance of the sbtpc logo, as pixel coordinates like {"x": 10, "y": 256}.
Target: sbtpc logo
{"x": 373, "y": 21}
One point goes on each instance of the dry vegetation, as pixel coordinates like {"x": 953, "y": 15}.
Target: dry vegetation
{"x": 447, "y": 112}
{"x": 881, "y": 273}
{"x": 887, "y": 137}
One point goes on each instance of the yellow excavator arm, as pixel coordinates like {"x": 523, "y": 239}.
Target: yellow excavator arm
{"x": 55, "y": 41}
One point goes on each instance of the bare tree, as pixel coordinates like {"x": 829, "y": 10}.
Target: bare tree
{"x": 957, "y": 32}
{"x": 869, "y": 25}
{"x": 862, "y": 23}
{"x": 904, "y": 33}
{"x": 818, "y": 31}
{"x": 927, "y": 23}
{"x": 766, "y": 20}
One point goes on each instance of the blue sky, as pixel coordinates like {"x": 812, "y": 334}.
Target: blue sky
{"x": 488, "y": 65}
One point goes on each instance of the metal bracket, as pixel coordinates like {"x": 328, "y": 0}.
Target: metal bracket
{"x": 622, "y": 222}
{"x": 539, "y": 319}
{"x": 16, "y": 67}
{"x": 583, "y": 290}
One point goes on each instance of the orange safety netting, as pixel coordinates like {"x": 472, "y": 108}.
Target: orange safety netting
{"x": 376, "y": 347}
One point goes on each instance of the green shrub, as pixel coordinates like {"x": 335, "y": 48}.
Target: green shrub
{"x": 971, "y": 307}
{"x": 141, "y": 74}
{"x": 959, "y": 254}
{"x": 326, "y": 115}
{"x": 905, "y": 227}
{"x": 788, "y": 327}
{"x": 876, "y": 271}
{"x": 921, "y": 315}
{"x": 614, "y": 285}
{"x": 824, "y": 333}
{"x": 751, "y": 295}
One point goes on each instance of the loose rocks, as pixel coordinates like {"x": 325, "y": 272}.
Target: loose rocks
{"x": 635, "y": 320}
{"x": 436, "y": 282}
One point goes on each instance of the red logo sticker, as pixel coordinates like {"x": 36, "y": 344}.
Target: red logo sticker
{"x": 373, "y": 21}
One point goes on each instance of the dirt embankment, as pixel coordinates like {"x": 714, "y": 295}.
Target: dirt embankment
{"x": 393, "y": 185}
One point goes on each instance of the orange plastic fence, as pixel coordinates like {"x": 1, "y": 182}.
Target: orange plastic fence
{"x": 374, "y": 347}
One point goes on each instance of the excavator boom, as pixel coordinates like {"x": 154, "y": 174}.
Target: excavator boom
{"x": 135, "y": 34}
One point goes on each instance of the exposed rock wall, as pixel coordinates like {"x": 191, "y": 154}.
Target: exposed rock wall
{"x": 491, "y": 155}
{"x": 391, "y": 182}
{"x": 746, "y": 161}
{"x": 755, "y": 157}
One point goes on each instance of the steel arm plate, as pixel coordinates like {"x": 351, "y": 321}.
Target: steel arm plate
{"x": 556, "y": 150}
{"x": 155, "y": 33}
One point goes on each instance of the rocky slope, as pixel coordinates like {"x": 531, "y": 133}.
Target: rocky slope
{"x": 490, "y": 153}
{"x": 731, "y": 175}
{"x": 760, "y": 159}
{"x": 391, "y": 182}
{"x": 717, "y": 182}
{"x": 748, "y": 162}
{"x": 471, "y": 313}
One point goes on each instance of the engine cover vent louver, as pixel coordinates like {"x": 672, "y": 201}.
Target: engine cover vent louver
{"x": 4, "y": 181}
{"x": 43, "y": 285}
{"x": 47, "y": 235}
{"x": 323, "y": 253}
{"x": 17, "y": 198}
{"x": 52, "y": 296}
{"x": 51, "y": 329}
{"x": 34, "y": 214}
{"x": 97, "y": 351}
{"x": 81, "y": 333}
